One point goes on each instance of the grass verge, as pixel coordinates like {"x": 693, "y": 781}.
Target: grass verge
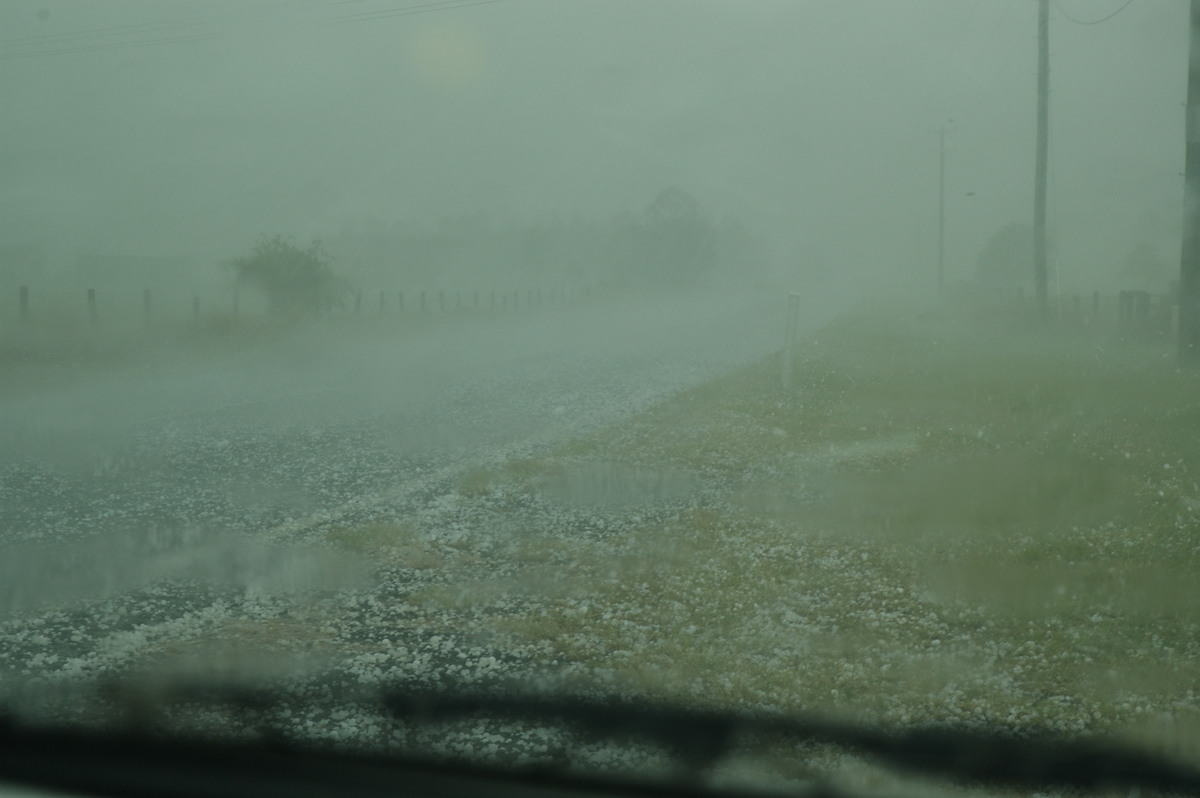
{"x": 941, "y": 522}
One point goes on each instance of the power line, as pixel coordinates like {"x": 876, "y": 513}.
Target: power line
{"x": 972, "y": 111}
{"x": 951, "y": 108}
{"x": 959, "y": 37}
{"x": 1063, "y": 11}
{"x": 937, "y": 88}
{"x": 99, "y": 39}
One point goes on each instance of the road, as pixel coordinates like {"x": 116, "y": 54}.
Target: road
{"x": 121, "y": 496}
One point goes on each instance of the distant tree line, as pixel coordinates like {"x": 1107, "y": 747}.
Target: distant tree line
{"x": 1006, "y": 263}
{"x": 672, "y": 242}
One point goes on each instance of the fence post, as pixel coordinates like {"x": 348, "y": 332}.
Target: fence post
{"x": 789, "y": 339}
{"x": 23, "y": 293}
{"x": 91, "y": 303}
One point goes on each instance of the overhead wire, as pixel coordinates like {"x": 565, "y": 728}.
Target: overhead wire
{"x": 936, "y": 89}
{"x": 1063, "y": 11}
{"x": 942, "y": 86}
{"x": 962, "y": 30}
{"x": 952, "y": 110}
{"x": 997, "y": 46}
{"x": 963, "y": 90}
{"x": 949, "y": 110}
{"x": 978, "y": 97}
{"x": 113, "y": 37}
{"x": 959, "y": 37}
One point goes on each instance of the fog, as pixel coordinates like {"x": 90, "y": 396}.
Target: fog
{"x": 481, "y": 343}
{"x": 189, "y": 129}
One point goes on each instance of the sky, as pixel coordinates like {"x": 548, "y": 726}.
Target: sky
{"x": 188, "y": 128}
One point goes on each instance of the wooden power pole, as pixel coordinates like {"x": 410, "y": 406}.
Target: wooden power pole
{"x": 1189, "y": 262}
{"x": 1043, "y": 136}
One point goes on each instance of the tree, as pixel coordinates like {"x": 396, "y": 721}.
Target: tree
{"x": 295, "y": 281}
{"x": 677, "y": 239}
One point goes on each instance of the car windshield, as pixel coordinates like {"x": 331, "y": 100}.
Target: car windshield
{"x": 821, "y": 359}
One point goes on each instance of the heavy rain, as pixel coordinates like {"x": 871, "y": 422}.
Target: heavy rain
{"x": 819, "y": 360}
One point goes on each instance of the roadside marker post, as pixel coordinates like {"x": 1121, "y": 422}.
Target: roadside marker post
{"x": 789, "y": 339}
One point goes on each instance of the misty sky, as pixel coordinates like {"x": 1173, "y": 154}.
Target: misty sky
{"x": 173, "y": 127}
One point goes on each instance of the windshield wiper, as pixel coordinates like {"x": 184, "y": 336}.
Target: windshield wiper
{"x": 271, "y": 761}
{"x": 1033, "y": 760}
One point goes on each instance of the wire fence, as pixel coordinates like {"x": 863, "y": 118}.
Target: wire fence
{"x": 1131, "y": 313}
{"x": 91, "y": 308}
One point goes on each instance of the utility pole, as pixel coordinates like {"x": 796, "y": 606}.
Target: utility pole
{"x": 1189, "y": 265}
{"x": 942, "y": 210}
{"x": 1043, "y": 136}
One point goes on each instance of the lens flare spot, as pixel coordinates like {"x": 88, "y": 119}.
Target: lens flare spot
{"x": 449, "y": 56}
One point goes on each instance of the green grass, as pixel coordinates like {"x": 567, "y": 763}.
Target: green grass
{"x": 935, "y": 524}
{"x": 940, "y": 522}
